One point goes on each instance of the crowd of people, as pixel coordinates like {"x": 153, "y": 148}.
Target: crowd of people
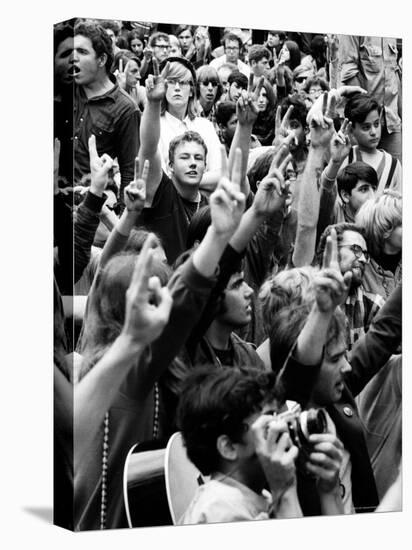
{"x": 228, "y": 264}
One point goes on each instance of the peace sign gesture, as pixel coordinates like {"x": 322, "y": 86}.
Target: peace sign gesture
{"x": 320, "y": 119}
{"x": 246, "y": 107}
{"x": 340, "y": 144}
{"x": 282, "y": 128}
{"x": 99, "y": 168}
{"x": 331, "y": 288}
{"x": 156, "y": 83}
{"x": 227, "y": 202}
{"x": 135, "y": 192}
{"x": 148, "y": 305}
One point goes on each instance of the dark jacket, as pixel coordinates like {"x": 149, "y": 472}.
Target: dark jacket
{"x": 370, "y": 353}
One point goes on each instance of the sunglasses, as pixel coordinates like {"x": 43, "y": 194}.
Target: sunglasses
{"x": 358, "y": 251}
{"x": 212, "y": 82}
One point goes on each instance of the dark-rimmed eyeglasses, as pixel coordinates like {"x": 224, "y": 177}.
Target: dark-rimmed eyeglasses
{"x": 162, "y": 46}
{"x": 358, "y": 251}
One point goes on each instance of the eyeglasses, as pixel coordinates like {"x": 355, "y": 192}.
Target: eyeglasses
{"x": 231, "y": 48}
{"x": 358, "y": 251}
{"x": 162, "y": 46}
{"x": 207, "y": 82}
{"x": 174, "y": 81}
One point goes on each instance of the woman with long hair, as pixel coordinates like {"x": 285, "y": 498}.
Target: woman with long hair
{"x": 264, "y": 127}
{"x": 179, "y": 113}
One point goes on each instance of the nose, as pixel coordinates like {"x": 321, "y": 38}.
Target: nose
{"x": 345, "y": 366}
{"x": 210, "y": 86}
{"x": 248, "y": 290}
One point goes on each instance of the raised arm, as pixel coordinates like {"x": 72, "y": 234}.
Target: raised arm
{"x": 309, "y": 197}
{"x": 150, "y": 129}
{"x": 247, "y": 111}
{"x": 147, "y": 311}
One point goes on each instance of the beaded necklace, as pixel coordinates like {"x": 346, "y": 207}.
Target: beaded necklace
{"x": 105, "y": 453}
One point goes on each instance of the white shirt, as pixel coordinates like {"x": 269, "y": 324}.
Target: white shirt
{"x": 170, "y": 127}
{"x": 219, "y": 61}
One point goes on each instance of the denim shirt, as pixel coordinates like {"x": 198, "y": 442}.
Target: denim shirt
{"x": 112, "y": 117}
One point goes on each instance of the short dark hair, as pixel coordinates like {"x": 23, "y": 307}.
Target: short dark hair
{"x": 316, "y": 80}
{"x": 238, "y": 77}
{"x": 187, "y": 137}
{"x": 340, "y": 228}
{"x": 349, "y": 176}
{"x": 258, "y": 52}
{"x": 232, "y": 37}
{"x": 216, "y": 402}
{"x": 224, "y": 111}
{"x": 62, "y": 31}
{"x": 182, "y": 28}
{"x": 112, "y": 25}
{"x": 359, "y": 106}
{"x": 99, "y": 38}
{"x": 299, "y": 111}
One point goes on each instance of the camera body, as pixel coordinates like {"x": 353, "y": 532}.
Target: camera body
{"x": 301, "y": 424}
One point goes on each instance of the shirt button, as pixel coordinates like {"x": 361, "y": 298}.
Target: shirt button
{"x": 348, "y": 411}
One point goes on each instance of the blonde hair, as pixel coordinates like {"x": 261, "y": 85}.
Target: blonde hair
{"x": 378, "y": 217}
{"x": 178, "y": 70}
{"x": 290, "y": 286}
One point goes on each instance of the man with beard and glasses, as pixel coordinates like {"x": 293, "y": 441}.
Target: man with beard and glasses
{"x": 360, "y": 306}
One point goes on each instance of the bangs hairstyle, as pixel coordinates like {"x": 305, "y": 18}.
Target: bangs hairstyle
{"x": 187, "y": 137}
{"x": 378, "y": 217}
{"x": 359, "y": 106}
{"x": 107, "y": 307}
{"x": 179, "y": 70}
{"x": 349, "y": 176}
{"x": 289, "y": 286}
{"x": 206, "y": 72}
{"x": 99, "y": 38}
{"x": 216, "y": 402}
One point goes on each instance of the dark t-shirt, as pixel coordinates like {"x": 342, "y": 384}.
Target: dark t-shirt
{"x": 169, "y": 217}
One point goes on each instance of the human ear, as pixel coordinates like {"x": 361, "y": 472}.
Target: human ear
{"x": 102, "y": 60}
{"x": 226, "y": 448}
{"x": 345, "y": 196}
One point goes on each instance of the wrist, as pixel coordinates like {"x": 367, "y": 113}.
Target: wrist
{"x": 128, "y": 343}
{"x": 221, "y": 237}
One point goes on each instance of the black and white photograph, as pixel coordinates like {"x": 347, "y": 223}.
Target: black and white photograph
{"x": 225, "y": 248}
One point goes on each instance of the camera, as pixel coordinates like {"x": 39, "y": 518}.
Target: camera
{"x": 302, "y": 424}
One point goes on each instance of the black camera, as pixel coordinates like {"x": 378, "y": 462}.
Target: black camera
{"x": 302, "y": 424}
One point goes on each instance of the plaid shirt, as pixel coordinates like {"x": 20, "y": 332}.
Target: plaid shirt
{"x": 360, "y": 309}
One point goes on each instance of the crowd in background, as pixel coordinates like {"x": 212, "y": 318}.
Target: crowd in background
{"x": 228, "y": 263}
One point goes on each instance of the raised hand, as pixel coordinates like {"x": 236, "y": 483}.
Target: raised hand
{"x": 325, "y": 461}
{"x": 340, "y": 144}
{"x": 272, "y": 191}
{"x": 147, "y": 303}
{"x": 135, "y": 192}
{"x": 99, "y": 168}
{"x": 156, "y": 83}
{"x": 331, "y": 288}
{"x": 120, "y": 75}
{"x": 227, "y": 202}
{"x": 148, "y": 54}
{"x": 320, "y": 118}
{"x": 246, "y": 107}
{"x": 332, "y": 47}
{"x": 348, "y": 91}
{"x": 275, "y": 452}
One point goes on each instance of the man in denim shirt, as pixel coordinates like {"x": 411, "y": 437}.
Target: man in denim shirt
{"x": 94, "y": 105}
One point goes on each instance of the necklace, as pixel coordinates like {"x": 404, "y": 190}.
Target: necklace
{"x": 188, "y": 213}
